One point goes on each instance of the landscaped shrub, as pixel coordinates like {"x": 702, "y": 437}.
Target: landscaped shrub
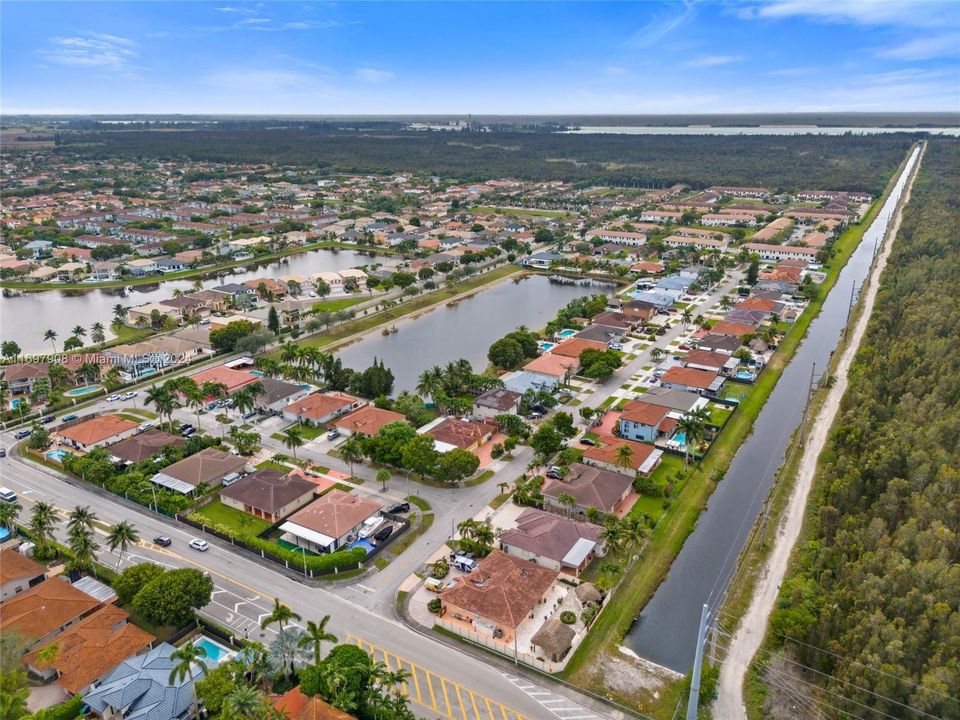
{"x": 434, "y": 605}
{"x": 441, "y": 568}
{"x": 568, "y": 617}
{"x": 588, "y": 614}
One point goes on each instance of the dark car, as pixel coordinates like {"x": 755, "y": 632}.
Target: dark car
{"x": 69, "y": 418}
{"x": 587, "y": 441}
{"x": 189, "y": 432}
{"x": 185, "y": 426}
{"x": 3, "y": 452}
{"x": 402, "y": 507}
{"x": 383, "y": 533}
{"x": 23, "y": 434}
{"x": 48, "y": 419}
{"x": 163, "y": 541}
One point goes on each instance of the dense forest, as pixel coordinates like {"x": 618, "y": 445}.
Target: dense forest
{"x": 845, "y": 162}
{"x": 873, "y": 599}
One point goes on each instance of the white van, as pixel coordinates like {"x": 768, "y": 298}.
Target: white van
{"x": 7, "y": 495}
{"x": 464, "y": 564}
{"x": 230, "y": 479}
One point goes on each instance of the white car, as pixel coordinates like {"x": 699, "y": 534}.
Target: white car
{"x": 143, "y": 427}
{"x": 129, "y": 395}
{"x": 111, "y": 398}
{"x": 198, "y": 544}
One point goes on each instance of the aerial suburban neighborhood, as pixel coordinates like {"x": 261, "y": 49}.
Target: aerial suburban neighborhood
{"x": 316, "y": 407}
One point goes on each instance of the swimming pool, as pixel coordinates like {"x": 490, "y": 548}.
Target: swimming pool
{"x": 82, "y": 390}
{"x": 15, "y": 403}
{"x": 680, "y": 438}
{"x": 361, "y": 543}
{"x": 4, "y": 534}
{"x": 216, "y": 653}
{"x": 258, "y": 373}
{"x": 58, "y": 455}
{"x": 546, "y": 346}
{"x": 566, "y": 333}
{"x": 744, "y": 375}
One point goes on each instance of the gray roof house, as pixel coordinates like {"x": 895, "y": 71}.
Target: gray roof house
{"x": 139, "y": 688}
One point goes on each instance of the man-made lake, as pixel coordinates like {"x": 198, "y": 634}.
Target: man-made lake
{"x": 666, "y": 630}
{"x": 757, "y": 130}
{"x": 465, "y": 330}
{"x": 26, "y": 317}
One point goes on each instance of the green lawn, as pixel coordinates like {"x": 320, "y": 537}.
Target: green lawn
{"x": 479, "y": 479}
{"x": 271, "y": 465}
{"x": 419, "y": 502}
{"x": 719, "y": 414}
{"x": 240, "y": 522}
{"x": 529, "y": 212}
{"x": 338, "y": 304}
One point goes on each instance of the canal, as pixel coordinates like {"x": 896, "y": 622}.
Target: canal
{"x": 25, "y": 318}
{"x": 666, "y": 629}
{"x": 465, "y": 329}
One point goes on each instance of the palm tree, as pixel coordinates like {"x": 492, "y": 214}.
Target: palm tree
{"x": 612, "y": 534}
{"x": 692, "y": 427}
{"x": 483, "y": 533}
{"x": 79, "y": 331}
{"x": 284, "y": 651}
{"x": 316, "y": 635}
{"x": 467, "y": 528}
{"x": 291, "y": 353}
{"x": 8, "y": 514}
{"x": 119, "y": 314}
{"x": 352, "y": 452}
{"x": 281, "y": 614}
{"x": 634, "y": 530}
{"x": 43, "y": 518}
{"x": 292, "y": 439}
{"x": 121, "y": 536}
{"x": 51, "y": 335}
{"x": 383, "y": 477}
{"x": 243, "y": 401}
{"x": 82, "y": 517}
{"x": 97, "y": 333}
{"x": 161, "y": 397}
{"x": 430, "y": 382}
{"x": 625, "y": 456}
{"x": 686, "y": 317}
{"x": 656, "y": 353}
{"x": 243, "y": 703}
{"x": 568, "y": 501}
{"x": 185, "y": 657}
{"x": 194, "y": 397}
{"x": 84, "y": 548}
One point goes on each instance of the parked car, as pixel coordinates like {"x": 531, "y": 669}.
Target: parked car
{"x": 383, "y": 533}
{"x": 434, "y": 585}
{"x": 7, "y": 495}
{"x": 247, "y": 416}
{"x": 143, "y": 427}
{"x": 21, "y": 434}
{"x": 587, "y": 441}
{"x": 398, "y": 508}
{"x": 535, "y": 416}
{"x": 189, "y": 432}
{"x": 129, "y": 395}
{"x": 554, "y": 474}
{"x": 464, "y": 564}
{"x": 684, "y": 347}
{"x": 48, "y": 419}
{"x": 111, "y": 398}
{"x": 198, "y": 544}
{"x": 69, "y": 418}
{"x": 163, "y": 541}
{"x": 3, "y": 452}
{"x": 615, "y": 346}
{"x": 333, "y": 435}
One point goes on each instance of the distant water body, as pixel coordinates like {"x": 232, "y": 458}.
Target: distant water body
{"x": 757, "y": 130}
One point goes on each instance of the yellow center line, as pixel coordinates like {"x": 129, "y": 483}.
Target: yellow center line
{"x": 463, "y": 710}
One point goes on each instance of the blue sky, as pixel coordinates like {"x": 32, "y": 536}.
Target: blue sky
{"x": 492, "y": 57}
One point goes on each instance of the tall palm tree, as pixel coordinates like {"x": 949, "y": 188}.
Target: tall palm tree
{"x": 291, "y": 353}
{"x": 352, "y": 452}
{"x": 243, "y": 401}
{"x": 8, "y": 514}
{"x": 84, "y": 548}
{"x": 293, "y": 439}
{"x": 568, "y": 501}
{"x": 484, "y": 534}
{"x": 161, "y": 397}
{"x": 186, "y": 656}
{"x": 243, "y": 703}
{"x": 634, "y": 530}
{"x": 612, "y": 534}
{"x": 43, "y": 518}
{"x": 281, "y": 615}
{"x": 119, "y": 314}
{"x": 656, "y": 353}
{"x": 195, "y": 398}
{"x": 51, "y": 335}
{"x": 97, "y": 333}
{"x": 82, "y": 517}
{"x": 316, "y": 635}
{"x": 430, "y": 382}
{"x": 79, "y": 331}
{"x": 383, "y": 477}
{"x": 692, "y": 428}
{"x": 121, "y": 536}
{"x": 625, "y": 456}
{"x": 467, "y": 528}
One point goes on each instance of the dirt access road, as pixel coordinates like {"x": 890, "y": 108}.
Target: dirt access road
{"x": 750, "y": 632}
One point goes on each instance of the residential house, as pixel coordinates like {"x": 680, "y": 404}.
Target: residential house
{"x": 97, "y": 431}
{"x": 552, "y": 541}
{"x": 735, "y": 329}
{"x": 105, "y": 271}
{"x": 321, "y": 408}
{"x": 782, "y": 252}
{"x": 502, "y": 594}
{"x": 294, "y": 705}
{"x": 645, "y": 422}
{"x": 232, "y": 379}
{"x": 143, "y": 446}
{"x": 277, "y": 394}
{"x": 18, "y": 573}
{"x": 237, "y": 294}
{"x": 589, "y": 487}
{"x": 618, "y": 320}
{"x": 170, "y": 264}
{"x": 22, "y": 377}
{"x": 366, "y": 420}
{"x": 142, "y": 315}
{"x": 145, "y": 687}
{"x": 269, "y": 494}
{"x": 705, "y": 243}
{"x": 552, "y": 369}
{"x": 702, "y": 382}
{"x": 450, "y": 432}
{"x": 496, "y": 402}
{"x": 541, "y": 260}
{"x": 601, "y": 334}
{"x": 207, "y": 467}
{"x": 621, "y": 237}
{"x": 639, "y": 310}
{"x": 711, "y": 361}
{"x": 643, "y": 459}
{"x": 185, "y": 305}
{"x": 574, "y": 347}
{"x": 726, "y": 344}
{"x": 89, "y": 649}
{"x": 330, "y": 522}
{"x": 45, "y": 609}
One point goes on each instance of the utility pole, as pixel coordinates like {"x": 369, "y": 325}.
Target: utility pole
{"x": 694, "y": 699}
{"x": 853, "y": 290}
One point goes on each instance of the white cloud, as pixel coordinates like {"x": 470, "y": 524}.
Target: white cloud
{"x": 702, "y": 61}
{"x": 254, "y": 21}
{"x": 90, "y": 50}
{"x": 923, "y": 48}
{"x": 236, "y": 10}
{"x": 659, "y": 27}
{"x": 912, "y": 13}
{"x": 791, "y": 71}
{"x": 372, "y": 75}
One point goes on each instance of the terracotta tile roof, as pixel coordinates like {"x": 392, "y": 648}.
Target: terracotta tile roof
{"x": 554, "y": 365}
{"x": 14, "y": 566}
{"x": 503, "y": 589}
{"x": 689, "y": 376}
{"x": 336, "y": 513}
{"x": 367, "y": 420}
{"x": 463, "y": 434}
{"x": 22, "y": 371}
{"x": 44, "y": 608}
{"x": 97, "y": 429}
{"x": 233, "y": 379}
{"x": 732, "y": 328}
{"x": 706, "y": 358}
{"x": 93, "y": 647}
{"x": 572, "y": 348}
{"x": 320, "y": 405}
{"x": 296, "y": 706}
{"x": 608, "y": 453}
{"x": 643, "y": 413}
